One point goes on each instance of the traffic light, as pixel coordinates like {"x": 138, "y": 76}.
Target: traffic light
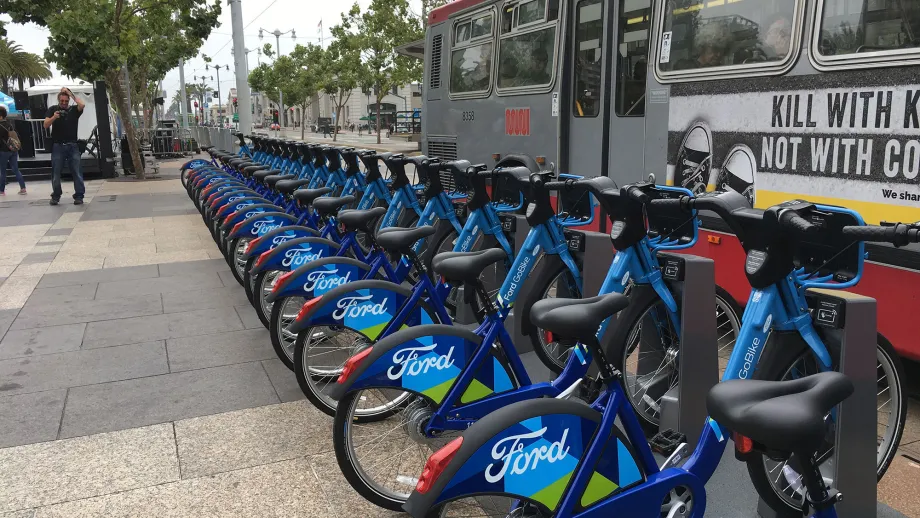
{"x": 275, "y": 115}
{"x": 196, "y": 104}
{"x": 234, "y": 103}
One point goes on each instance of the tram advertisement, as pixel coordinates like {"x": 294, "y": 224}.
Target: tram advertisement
{"x": 797, "y": 137}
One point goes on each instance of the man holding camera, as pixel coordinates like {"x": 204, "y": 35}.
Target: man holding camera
{"x": 63, "y": 120}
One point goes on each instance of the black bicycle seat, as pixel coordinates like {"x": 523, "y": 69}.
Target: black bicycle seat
{"x": 271, "y": 180}
{"x": 783, "y": 416}
{"x": 354, "y": 220}
{"x": 306, "y": 196}
{"x": 401, "y": 240}
{"x": 289, "y": 186}
{"x": 466, "y": 266}
{"x": 237, "y": 161}
{"x": 248, "y": 170}
{"x": 261, "y": 174}
{"x": 329, "y": 206}
{"x": 579, "y": 318}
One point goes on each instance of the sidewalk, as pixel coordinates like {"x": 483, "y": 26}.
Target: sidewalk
{"x": 353, "y": 139}
{"x": 137, "y": 381}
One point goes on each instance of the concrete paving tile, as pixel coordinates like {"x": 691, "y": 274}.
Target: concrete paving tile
{"x": 62, "y": 294}
{"x": 99, "y": 275}
{"x": 178, "y": 283}
{"x": 157, "y": 399}
{"x": 30, "y": 418}
{"x": 85, "y": 367}
{"x": 345, "y": 501}
{"x": 205, "y": 321}
{"x": 40, "y": 257}
{"x": 900, "y": 486}
{"x": 31, "y": 270}
{"x": 58, "y": 232}
{"x": 15, "y": 291}
{"x": 249, "y": 317}
{"x": 12, "y": 258}
{"x": 215, "y": 254}
{"x": 70, "y": 263}
{"x": 27, "y": 513}
{"x": 51, "y": 472}
{"x": 6, "y": 269}
{"x": 67, "y": 220}
{"x": 226, "y": 276}
{"x": 88, "y": 311}
{"x": 179, "y": 301}
{"x": 283, "y": 489}
{"x": 284, "y": 381}
{"x": 166, "y": 257}
{"x": 251, "y": 437}
{"x": 198, "y": 352}
{"x": 50, "y": 238}
{"x": 121, "y": 331}
{"x": 101, "y": 249}
{"x": 193, "y": 267}
{"x": 47, "y": 247}
{"x": 185, "y": 245}
{"x": 43, "y": 340}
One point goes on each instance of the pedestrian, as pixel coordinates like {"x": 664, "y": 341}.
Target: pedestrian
{"x": 9, "y": 153}
{"x": 63, "y": 121}
{"x": 326, "y": 131}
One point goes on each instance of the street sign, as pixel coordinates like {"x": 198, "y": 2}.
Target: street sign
{"x": 236, "y": 117}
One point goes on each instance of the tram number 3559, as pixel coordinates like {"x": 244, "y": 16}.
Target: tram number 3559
{"x": 468, "y": 116}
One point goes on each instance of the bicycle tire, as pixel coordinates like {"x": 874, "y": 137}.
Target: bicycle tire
{"x": 775, "y": 362}
{"x": 551, "y": 270}
{"x": 258, "y": 287}
{"x": 274, "y": 330}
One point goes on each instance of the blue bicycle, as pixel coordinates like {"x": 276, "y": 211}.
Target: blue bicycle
{"x": 791, "y": 247}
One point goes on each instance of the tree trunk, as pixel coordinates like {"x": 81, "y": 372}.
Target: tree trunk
{"x": 378, "y": 117}
{"x": 113, "y": 78}
{"x": 335, "y": 124}
{"x": 303, "y": 119}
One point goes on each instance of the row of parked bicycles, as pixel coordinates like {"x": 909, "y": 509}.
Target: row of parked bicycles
{"x": 364, "y": 265}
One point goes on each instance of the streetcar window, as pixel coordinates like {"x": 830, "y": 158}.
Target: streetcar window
{"x": 707, "y": 34}
{"x": 589, "y": 42}
{"x": 858, "y": 27}
{"x": 527, "y": 49}
{"x": 632, "y": 57}
{"x": 471, "y": 55}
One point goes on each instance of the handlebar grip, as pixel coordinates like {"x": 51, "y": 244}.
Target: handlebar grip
{"x": 559, "y": 185}
{"x": 791, "y": 220}
{"x": 637, "y": 194}
{"x": 668, "y": 204}
{"x": 898, "y": 234}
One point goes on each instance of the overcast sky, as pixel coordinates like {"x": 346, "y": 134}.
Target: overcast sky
{"x": 265, "y": 14}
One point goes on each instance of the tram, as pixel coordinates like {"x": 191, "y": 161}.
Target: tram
{"x": 776, "y": 99}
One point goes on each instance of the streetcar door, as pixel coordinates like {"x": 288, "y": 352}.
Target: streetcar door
{"x": 583, "y": 139}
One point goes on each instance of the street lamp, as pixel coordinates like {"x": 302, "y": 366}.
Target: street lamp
{"x": 278, "y": 35}
{"x": 220, "y": 116}
{"x": 201, "y": 89}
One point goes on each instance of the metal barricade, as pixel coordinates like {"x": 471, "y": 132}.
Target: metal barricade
{"x": 41, "y": 137}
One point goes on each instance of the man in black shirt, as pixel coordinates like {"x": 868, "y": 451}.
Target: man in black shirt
{"x": 63, "y": 120}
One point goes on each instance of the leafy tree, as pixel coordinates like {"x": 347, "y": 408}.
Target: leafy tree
{"x": 262, "y": 79}
{"x": 19, "y": 65}
{"x": 95, "y": 39}
{"x": 304, "y": 80}
{"x": 341, "y": 74}
{"x": 385, "y": 25}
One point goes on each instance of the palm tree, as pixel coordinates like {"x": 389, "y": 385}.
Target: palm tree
{"x": 20, "y": 65}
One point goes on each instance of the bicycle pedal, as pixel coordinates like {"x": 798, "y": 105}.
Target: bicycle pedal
{"x": 666, "y": 441}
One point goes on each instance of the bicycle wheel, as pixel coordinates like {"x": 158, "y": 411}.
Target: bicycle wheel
{"x": 489, "y": 506}
{"x": 382, "y": 459}
{"x": 778, "y": 483}
{"x": 262, "y": 286}
{"x": 552, "y": 350}
{"x": 650, "y": 347}
{"x": 284, "y": 311}
{"x": 239, "y": 263}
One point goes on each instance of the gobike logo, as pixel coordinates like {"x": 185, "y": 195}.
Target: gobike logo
{"x": 299, "y": 256}
{"x": 407, "y": 361}
{"x": 518, "y": 276}
{"x": 352, "y": 307}
{"x": 513, "y": 459}
{"x": 749, "y": 356}
{"x": 320, "y": 280}
{"x": 277, "y": 240}
{"x": 262, "y": 227}
{"x": 469, "y": 240}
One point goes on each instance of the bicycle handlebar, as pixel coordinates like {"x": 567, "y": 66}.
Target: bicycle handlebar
{"x": 793, "y": 221}
{"x": 898, "y": 234}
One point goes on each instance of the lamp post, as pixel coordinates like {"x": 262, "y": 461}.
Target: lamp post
{"x": 278, "y": 35}
{"x": 220, "y": 116}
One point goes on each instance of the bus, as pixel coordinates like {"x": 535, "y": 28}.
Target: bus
{"x": 775, "y": 99}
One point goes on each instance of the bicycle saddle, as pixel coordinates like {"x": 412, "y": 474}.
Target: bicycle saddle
{"x": 401, "y": 240}
{"x": 466, "y": 266}
{"x": 354, "y": 220}
{"x": 272, "y": 179}
{"x": 306, "y": 196}
{"x": 579, "y": 318}
{"x": 248, "y": 170}
{"x": 784, "y": 416}
{"x": 289, "y": 186}
{"x": 329, "y": 206}
{"x": 261, "y": 174}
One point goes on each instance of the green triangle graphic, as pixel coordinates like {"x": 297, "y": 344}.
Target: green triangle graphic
{"x": 475, "y": 392}
{"x": 598, "y": 487}
{"x": 437, "y": 392}
{"x": 551, "y": 494}
{"x": 374, "y": 331}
